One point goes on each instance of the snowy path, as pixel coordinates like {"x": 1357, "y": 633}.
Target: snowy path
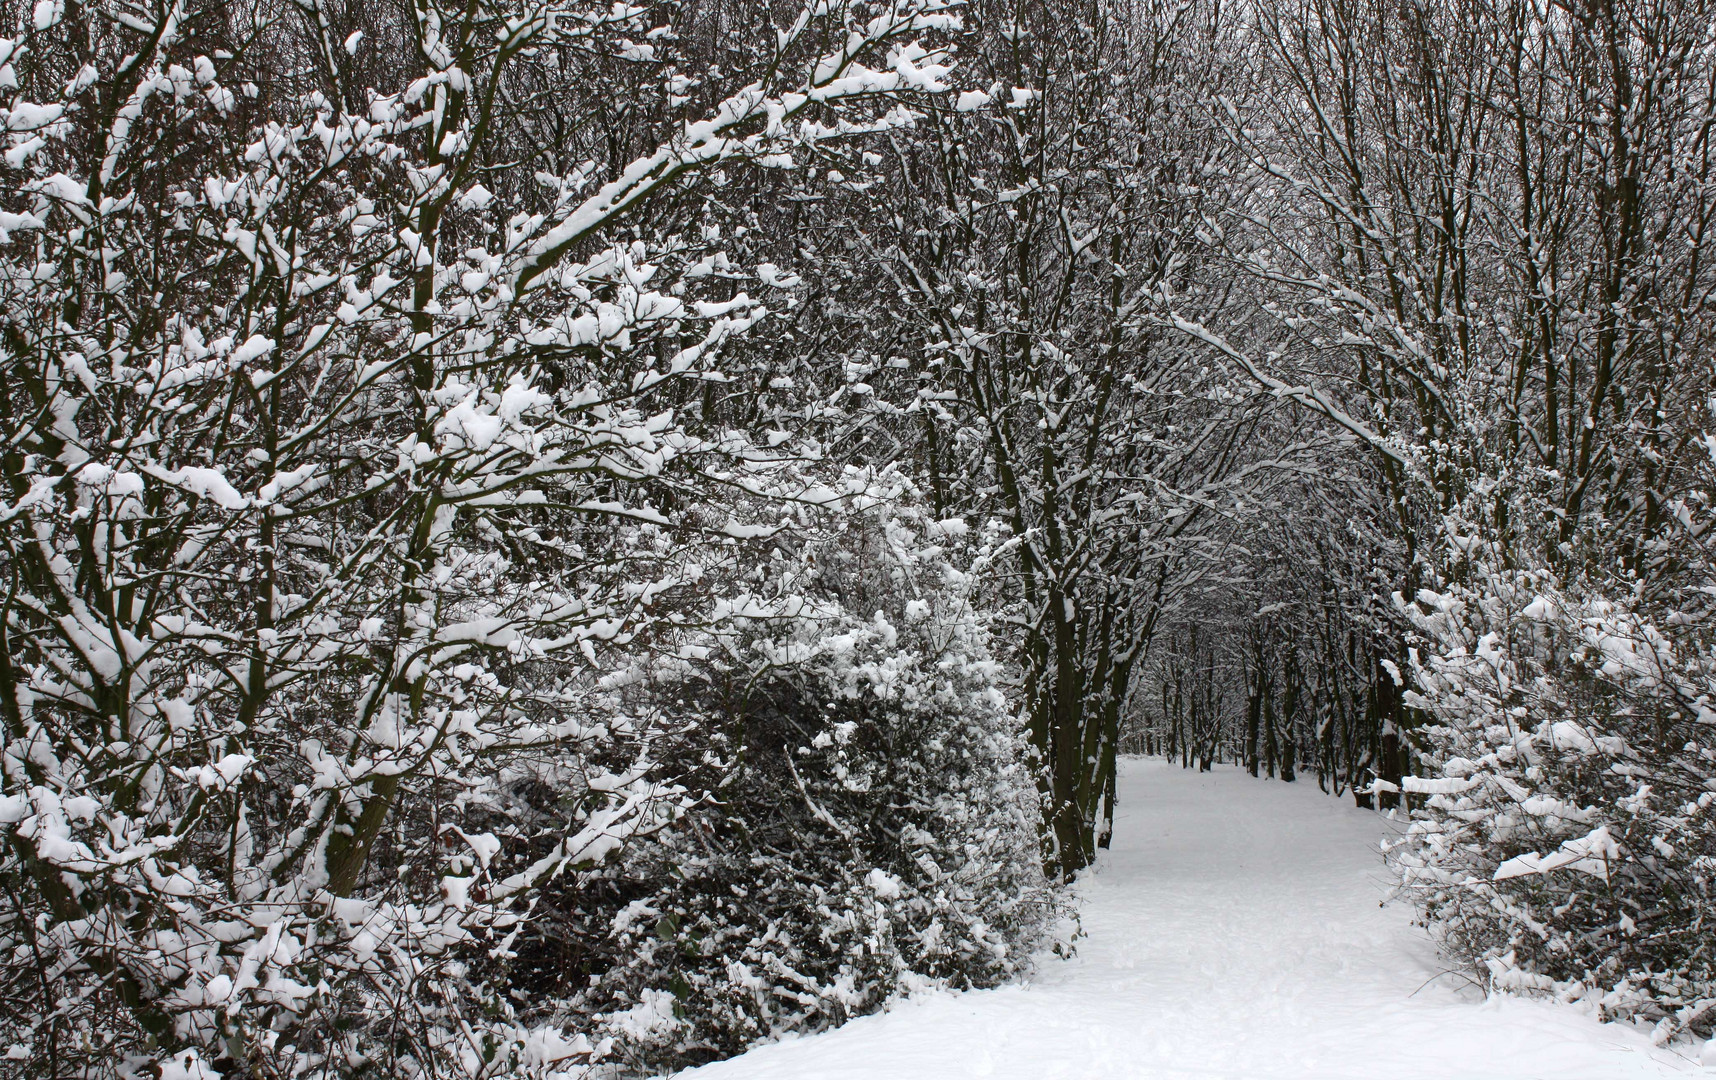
{"x": 1234, "y": 932}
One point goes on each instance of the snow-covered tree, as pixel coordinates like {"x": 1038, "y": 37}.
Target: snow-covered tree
{"x": 338, "y": 455}
{"x": 1476, "y": 241}
{"x": 1566, "y": 835}
{"x": 994, "y": 289}
{"x": 871, "y": 821}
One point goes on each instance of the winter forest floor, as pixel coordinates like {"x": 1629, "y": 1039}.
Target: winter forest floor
{"x": 1234, "y": 931}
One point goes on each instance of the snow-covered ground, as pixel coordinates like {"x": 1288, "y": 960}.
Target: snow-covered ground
{"x": 1234, "y": 931}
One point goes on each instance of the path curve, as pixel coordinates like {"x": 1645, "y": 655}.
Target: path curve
{"x": 1235, "y": 932}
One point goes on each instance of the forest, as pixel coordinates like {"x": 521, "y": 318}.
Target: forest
{"x": 564, "y": 539}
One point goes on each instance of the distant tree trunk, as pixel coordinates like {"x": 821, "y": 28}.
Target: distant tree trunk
{"x": 1107, "y": 832}
{"x": 1253, "y": 718}
{"x": 1171, "y": 721}
{"x": 1385, "y": 705}
{"x": 1271, "y": 741}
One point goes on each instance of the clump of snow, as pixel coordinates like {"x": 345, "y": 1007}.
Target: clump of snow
{"x": 652, "y": 1016}
{"x": 885, "y": 885}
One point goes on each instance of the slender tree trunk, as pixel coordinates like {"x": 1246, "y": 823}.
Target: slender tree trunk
{"x": 1253, "y": 720}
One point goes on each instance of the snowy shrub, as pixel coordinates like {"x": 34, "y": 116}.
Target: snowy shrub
{"x": 1565, "y": 840}
{"x": 868, "y": 823}
{"x": 333, "y": 481}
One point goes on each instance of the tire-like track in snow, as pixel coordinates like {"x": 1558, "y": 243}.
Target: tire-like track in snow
{"x": 1235, "y": 931}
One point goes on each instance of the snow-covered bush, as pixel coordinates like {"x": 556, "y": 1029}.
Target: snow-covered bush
{"x": 1565, "y": 840}
{"x": 333, "y": 481}
{"x": 869, "y": 822}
